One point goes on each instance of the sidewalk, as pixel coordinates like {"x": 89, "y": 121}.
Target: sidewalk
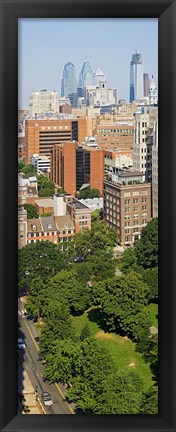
{"x": 28, "y": 393}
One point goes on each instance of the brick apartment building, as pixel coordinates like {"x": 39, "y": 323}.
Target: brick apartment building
{"x": 70, "y": 217}
{"x": 112, "y": 136}
{"x": 71, "y": 166}
{"x": 127, "y": 204}
{"x": 63, "y": 166}
{"x": 42, "y": 134}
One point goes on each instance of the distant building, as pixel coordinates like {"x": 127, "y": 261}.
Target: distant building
{"x": 69, "y": 83}
{"x": 93, "y": 203}
{"x": 136, "y": 77}
{"x": 42, "y": 102}
{"x": 153, "y": 99}
{"x": 21, "y": 146}
{"x": 86, "y": 78}
{"x": 22, "y": 227}
{"x": 41, "y": 163}
{"x": 155, "y": 172}
{"x": 44, "y": 205}
{"x": 127, "y": 204}
{"x": 63, "y": 166}
{"x": 115, "y": 135}
{"x": 146, "y": 84}
{"x": 42, "y": 134}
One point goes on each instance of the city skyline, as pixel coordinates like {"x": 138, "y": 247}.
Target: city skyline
{"x": 40, "y": 67}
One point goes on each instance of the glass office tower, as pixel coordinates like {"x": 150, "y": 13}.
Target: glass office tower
{"x": 136, "y": 77}
{"x": 69, "y": 83}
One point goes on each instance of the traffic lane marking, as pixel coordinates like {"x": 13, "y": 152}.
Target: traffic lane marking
{"x": 57, "y": 386}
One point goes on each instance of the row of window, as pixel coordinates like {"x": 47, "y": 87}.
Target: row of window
{"x": 135, "y": 200}
{"x": 116, "y": 131}
{"x": 135, "y": 208}
{"x": 50, "y": 233}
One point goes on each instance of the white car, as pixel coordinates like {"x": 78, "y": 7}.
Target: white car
{"x": 21, "y": 344}
{"x": 47, "y": 399}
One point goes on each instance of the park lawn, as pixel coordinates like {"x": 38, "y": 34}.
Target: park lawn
{"x": 153, "y": 308}
{"x": 121, "y": 348}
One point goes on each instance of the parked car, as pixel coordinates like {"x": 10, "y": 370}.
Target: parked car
{"x": 21, "y": 344}
{"x": 47, "y": 399}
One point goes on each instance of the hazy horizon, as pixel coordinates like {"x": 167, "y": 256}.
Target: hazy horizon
{"x": 45, "y": 45}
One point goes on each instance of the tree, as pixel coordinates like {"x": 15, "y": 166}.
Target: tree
{"x": 29, "y": 170}
{"x": 122, "y": 299}
{"x": 46, "y": 187}
{"x": 100, "y": 388}
{"x": 146, "y": 249}
{"x": 150, "y": 401}
{"x": 127, "y": 260}
{"x": 21, "y": 165}
{"x": 31, "y": 211}
{"x": 57, "y": 326}
{"x": 42, "y": 259}
{"x": 36, "y": 298}
{"x": 65, "y": 287}
{"x": 89, "y": 193}
{"x": 63, "y": 360}
{"x": 61, "y": 191}
{"x": 150, "y": 277}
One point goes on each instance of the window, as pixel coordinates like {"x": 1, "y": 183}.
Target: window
{"x": 144, "y": 215}
{"x": 127, "y": 201}
{"x": 135, "y": 200}
{"x": 136, "y": 230}
{"x": 21, "y": 236}
{"x": 127, "y": 231}
{"x": 29, "y": 235}
{"x": 40, "y": 234}
{"x": 144, "y": 221}
{"x": 144, "y": 207}
{"x": 45, "y": 234}
{"x": 21, "y": 227}
{"x": 127, "y": 223}
{"x": 127, "y": 217}
{"x": 143, "y": 192}
{"x": 34, "y": 234}
{"x": 144, "y": 199}
{"x": 127, "y": 239}
{"x": 135, "y": 193}
{"x": 135, "y": 216}
{"x": 127, "y": 209}
{"x": 136, "y": 222}
{"x": 135, "y": 208}
{"x": 126, "y": 194}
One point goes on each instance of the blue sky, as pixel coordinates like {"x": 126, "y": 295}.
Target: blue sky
{"x": 45, "y": 45}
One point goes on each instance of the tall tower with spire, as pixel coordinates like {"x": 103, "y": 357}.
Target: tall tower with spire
{"x": 153, "y": 99}
{"x": 136, "y": 77}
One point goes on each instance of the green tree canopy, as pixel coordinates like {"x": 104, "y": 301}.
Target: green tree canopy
{"x": 146, "y": 249}
{"x": 41, "y": 259}
{"x": 46, "y": 187}
{"x": 31, "y": 211}
{"x": 28, "y": 170}
{"x": 89, "y": 193}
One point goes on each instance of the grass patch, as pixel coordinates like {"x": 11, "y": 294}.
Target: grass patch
{"x": 153, "y": 308}
{"x": 121, "y": 348}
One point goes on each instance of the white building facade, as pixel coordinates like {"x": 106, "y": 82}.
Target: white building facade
{"x": 155, "y": 172}
{"x": 42, "y": 102}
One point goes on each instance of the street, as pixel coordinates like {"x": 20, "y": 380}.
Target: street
{"x": 35, "y": 368}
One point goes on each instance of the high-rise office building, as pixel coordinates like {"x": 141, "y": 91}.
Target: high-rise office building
{"x": 146, "y": 81}
{"x": 136, "y": 77}
{"x": 69, "y": 83}
{"x": 86, "y": 78}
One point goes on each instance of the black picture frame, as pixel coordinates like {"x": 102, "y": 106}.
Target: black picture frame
{"x": 165, "y": 11}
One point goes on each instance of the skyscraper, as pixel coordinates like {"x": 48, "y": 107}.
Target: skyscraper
{"x": 69, "y": 83}
{"x": 146, "y": 84}
{"x": 86, "y": 78}
{"x": 136, "y": 77}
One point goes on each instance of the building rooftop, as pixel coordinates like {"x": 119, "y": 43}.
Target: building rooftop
{"x": 45, "y": 202}
{"x": 63, "y": 222}
{"x": 78, "y": 205}
{"x": 48, "y": 223}
{"x": 34, "y": 225}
